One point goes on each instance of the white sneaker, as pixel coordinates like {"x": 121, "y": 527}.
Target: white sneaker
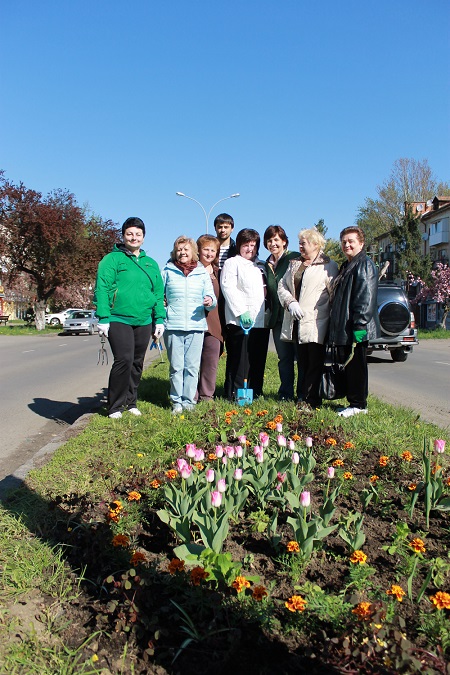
{"x": 115, "y": 415}
{"x": 135, "y": 411}
{"x": 349, "y": 412}
{"x": 177, "y": 409}
{"x": 188, "y": 406}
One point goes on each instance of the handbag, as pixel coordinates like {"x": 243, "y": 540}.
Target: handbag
{"x": 333, "y": 383}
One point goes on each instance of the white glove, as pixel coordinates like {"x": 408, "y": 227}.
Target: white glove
{"x": 103, "y": 329}
{"x": 296, "y": 311}
{"x": 159, "y": 330}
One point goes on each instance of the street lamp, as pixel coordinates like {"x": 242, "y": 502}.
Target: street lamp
{"x": 181, "y": 194}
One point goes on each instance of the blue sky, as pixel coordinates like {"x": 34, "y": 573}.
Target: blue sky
{"x": 300, "y": 106}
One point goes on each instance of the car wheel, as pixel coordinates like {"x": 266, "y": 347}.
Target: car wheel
{"x": 399, "y": 355}
{"x": 91, "y": 330}
{"x": 55, "y": 321}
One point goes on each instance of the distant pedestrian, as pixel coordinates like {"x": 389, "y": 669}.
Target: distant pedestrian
{"x": 189, "y": 295}
{"x": 129, "y": 297}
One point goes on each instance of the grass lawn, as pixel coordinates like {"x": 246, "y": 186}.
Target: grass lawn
{"x": 328, "y": 554}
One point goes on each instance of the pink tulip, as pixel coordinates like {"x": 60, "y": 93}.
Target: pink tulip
{"x": 186, "y": 471}
{"x": 199, "y": 455}
{"x": 190, "y": 449}
{"x": 331, "y": 472}
{"x": 439, "y": 446}
{"x": 295, "y": 458}
{"x": 260, "y": 456}
{"x": 209, "y": 475}
{"x": 308, "y": 442}
{"x": 224, "y": 460}
{"x": 216, "y": 498}
{"x": 305, "y": 499}
{"x": 264, "y": 439}
{"x": 219, "y": 451}
{"x": 281, "y": 477}
{"x": 242, "y": 439}
{"x": 281, "y": 440}
{"x": 229, "y": 451}
{"x": 291, "y": 444}
{"x": 257, "y": 449}
{"x": 181, "y": 463}
{"x": 278, "y": 486}
{"x": 221, "y": 485}
{"x": 279, "y": 427}
{"x": 237, "y": 474}
{"x": 239, "y": 451}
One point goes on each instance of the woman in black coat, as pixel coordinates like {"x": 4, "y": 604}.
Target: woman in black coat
{"x": 354, "y": 316}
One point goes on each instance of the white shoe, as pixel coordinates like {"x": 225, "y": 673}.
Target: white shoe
{"x": 188, "y": 406}
{"x": 135, "y": 411}
{"x": 177, "y": 409}
{"x": 349, "y": 412}
{"x": 115, "y": 415}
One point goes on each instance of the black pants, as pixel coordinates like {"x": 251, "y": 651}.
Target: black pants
{"x": 356, "y": 374}
{"x": 311, "y": 357}
{"x": 246, "y": 359}
{"x": 128, "y": 345}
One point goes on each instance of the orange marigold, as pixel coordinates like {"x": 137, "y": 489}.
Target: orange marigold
{"x": 262, "y": 413}
{"x": 240, "y": 583}
{"x": 407, "y": 456}
{"x": 358, "y": 557}
{"x": 278, "y": 419}
{"x": 338, "y": 462}
{"x": 114, "y": 516}
{"x": 295, "y": 437}
{"x": 418, "y": 545}
{"x": 137, "y": 558}
{"x": 247, "y": 411}
{"x": 374, "y": 478}
{"x": 441, "y": 600}
{"x": 248, "y": 443}
{"x": 175, "y": 565}
{"x": 259, "y": 592}
{"x": 199, "y": 466}
{"x": 198, "y": 574}
{"x": 271, "y": 425}
{"x": 293, "y": 547}
{"x": 171, "y": 474}
{"x": 331, "y": 441}
{"x": 134, "y": 496}
{"x": 120, "y": 540}
{"x": 397, "y": 591}
{"x": 436, "y": 468}
{"x": 155, "y": 484}
{"x": 412, "y": 486}
{"x": 296, "y": 603}
{"x": 212, "y": 457}
{"x": 116, "y": 505}
{"x": 448, "y": 481}
{"x": 347, "y": 475}
{"x": 363, "y": 610}
{"x": 384, "y": 459}
{"x": 348, "y": 445}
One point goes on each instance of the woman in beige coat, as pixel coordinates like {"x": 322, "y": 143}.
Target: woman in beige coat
{"x": 304, "y": 293}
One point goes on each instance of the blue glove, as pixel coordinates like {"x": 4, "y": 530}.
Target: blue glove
{"x": 246, "y": 320}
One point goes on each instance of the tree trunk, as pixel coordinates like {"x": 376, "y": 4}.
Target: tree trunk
{"x": 444, "y": 318}
{"x": 39, "y": 310}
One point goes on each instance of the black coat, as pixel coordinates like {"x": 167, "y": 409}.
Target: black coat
{"x": 354, "y": 302}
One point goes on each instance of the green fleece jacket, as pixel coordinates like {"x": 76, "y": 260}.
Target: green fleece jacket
{"x": 129, "y": 289}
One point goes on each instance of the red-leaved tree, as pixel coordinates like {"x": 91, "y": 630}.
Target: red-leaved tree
{"x": 49, "y": 239}
{"x": 438, "y": 290}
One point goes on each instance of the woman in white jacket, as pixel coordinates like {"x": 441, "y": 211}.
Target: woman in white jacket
{"x": 304, "y": 292}
{"x": 242, "y": 282}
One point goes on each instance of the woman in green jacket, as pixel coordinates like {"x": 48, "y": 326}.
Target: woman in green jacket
{"x": 276, "y": 242}
{"x": 129, "y": 296}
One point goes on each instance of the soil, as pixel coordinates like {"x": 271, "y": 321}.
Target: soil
{"x": 135, "y": 614}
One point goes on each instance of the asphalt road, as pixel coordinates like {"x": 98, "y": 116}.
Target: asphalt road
{"x": 48, "y": 382}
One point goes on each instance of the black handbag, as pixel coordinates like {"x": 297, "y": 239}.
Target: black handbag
{"x": 333, "y": 377}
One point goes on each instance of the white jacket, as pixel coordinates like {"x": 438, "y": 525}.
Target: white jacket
{"x": 242, "y": 285}
{"x": 314, "y": 299}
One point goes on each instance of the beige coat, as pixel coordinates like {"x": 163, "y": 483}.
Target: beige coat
{"x": 314, "y": 299}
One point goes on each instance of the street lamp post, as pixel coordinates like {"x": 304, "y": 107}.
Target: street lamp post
{"x": 181, "y": 194}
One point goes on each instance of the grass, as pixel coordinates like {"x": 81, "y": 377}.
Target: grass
{"x": 18, "y": 327}
{"x": 96, "y": 462}
{"x": 433, "y": 334}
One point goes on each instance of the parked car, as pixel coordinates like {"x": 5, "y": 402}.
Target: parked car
{"x": 398, "y": 327}
{"x": 81, "y": 321}
{"x": 59, "y": 318}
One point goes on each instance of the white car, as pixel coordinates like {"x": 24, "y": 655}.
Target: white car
{"x": 81, "y": 321}
{"x": 59, "y": 318}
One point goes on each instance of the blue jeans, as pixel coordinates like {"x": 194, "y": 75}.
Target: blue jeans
{"x": 184, "y": 351}
{"x": 287, "y": 356}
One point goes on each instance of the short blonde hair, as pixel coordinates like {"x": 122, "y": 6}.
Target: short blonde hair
{"x": 184, "y": 240}
{"x": 312, "y": 235}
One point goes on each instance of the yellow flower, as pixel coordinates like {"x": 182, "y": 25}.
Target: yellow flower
{"x": 259, "y": 592}
{"x": 120, "y": 540}
{"x": 441, "y": 600}
{"x": 347, "y": 475}
{"x": 363, "y": 610}
{"x": 94, "y": 658}
{"x": 240, "y": 583}
{"x": 384, "y": 459}
{"x": 338, "y": 462}
{"x": 139, "y": 454}
{"x": 331, "y": 441}
{"x": 417, "y": 545}
{"x": 407, "y": 456}
{"x": 134, "y": 496}
{"x": 397, "y": 591}
{"x": 412, "y": 486}
{"x": 374, "y": 478}
{"x": 176, "y": 565}
{"x": 293, "y": 547}
{"x": 296, "y": 603}
{"x": 358, "y": 557}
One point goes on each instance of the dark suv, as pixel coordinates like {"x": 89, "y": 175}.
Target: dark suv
{"x": 398, "y": 328}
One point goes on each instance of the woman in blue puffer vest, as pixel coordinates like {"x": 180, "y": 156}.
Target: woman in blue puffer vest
{"x": 189, "y": 294}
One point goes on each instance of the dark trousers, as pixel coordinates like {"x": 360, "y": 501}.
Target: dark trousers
{"x": 246, "y": 359}
{"x": 211, "y": 351}
{"x": 356, "y": 374}
{"x": 311, "y": 356}
{"x": 128, "y": 345}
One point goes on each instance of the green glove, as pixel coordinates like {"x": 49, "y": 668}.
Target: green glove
{"x": 359, "y": 335}
{"x": 246, "y": 319}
